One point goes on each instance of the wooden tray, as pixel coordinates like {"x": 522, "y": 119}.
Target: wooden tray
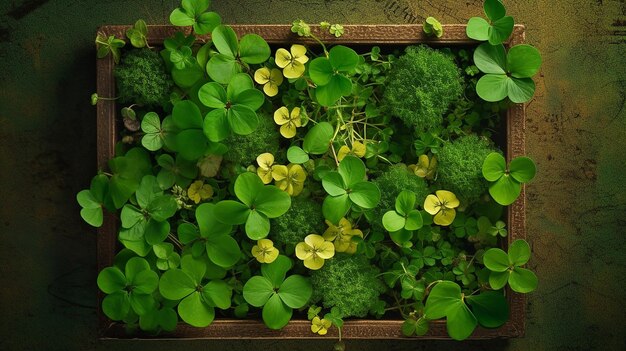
{"x": 398, "y": 35}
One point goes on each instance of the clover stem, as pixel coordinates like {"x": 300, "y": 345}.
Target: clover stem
{"x": 175, "y": 241}
{"x": 339, "y": 330}
{"x": 321, "y": 43}
{"x": 431, "y": 285}
{"x": 397, "y": 307}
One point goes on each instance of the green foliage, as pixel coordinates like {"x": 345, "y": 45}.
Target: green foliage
{"x": 349, "y": 283}
{"x": 109, "y": 45}
{"x": 460, "y": 165}
{"x": 433, "y": 27}
{"x": 497, "y": 30}
{"x": 138, "y": 33}
{"x": 142, "y": 78}
{"x": 329, "y": 74}
{"x": 506, "y": 267}
{"x": 405, "y": 216}
{"x": 420, "y": 86}
{"x": 304, "y": 217}
{"x": 194, "y": 13}
{"x": 507, "y": 181}
{"x": 243, "y": 149}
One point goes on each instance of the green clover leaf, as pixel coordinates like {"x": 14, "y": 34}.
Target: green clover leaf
{"x": 506, "y": 267}
{"x": 128, "y": 170}
{"x": 405, "y": 215}
{"x": 138, "y": 34}
{"x": 317, "y": 139}
{"x": 109, "y": 45}
{"x": 222, "y": 249}
{"x": 167, "y": 258}
{"x": 329, "y": 74}
{"x": 193, "y": 13}
{"x": 497, "y": 30}
{"x": 191, "y": 142}
{"x": 92, "y": 200}
{"x": 507, "y": 183}
{"x": 157, "y": 133}
{"x": 180, "y": 172}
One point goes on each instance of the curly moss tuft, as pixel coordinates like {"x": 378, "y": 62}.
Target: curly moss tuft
{"x": 142, "y": 78}
{"x": 460, "y": 167}
{"x": 391, "y": 183}
{"x": 348, "y": 282}
{"x": 420, "y": 87}
{"x": 304, "y": 217}
{"x": 244, "y": 149}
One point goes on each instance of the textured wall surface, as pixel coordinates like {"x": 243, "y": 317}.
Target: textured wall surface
{"x": 576, "y": 133}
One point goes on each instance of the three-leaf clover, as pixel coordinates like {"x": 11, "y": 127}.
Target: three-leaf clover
{"x": 433, "y": 27}
{"x": 194, "y": 13}
{"x": 329, "y": 74}
{"x": 180, "y": 171}
{"x": 276, "y": 294}
{"x": 507, "y": 268}
{"x": 506, "y": 74}
{"x": 92, "y": 200}
{"x": 167, "y": 258}
{"x": 233, "y": 108}
{"x": 507, "y": 182}
{"x": 222, "y": 249}
{"x": 497, "y": 30}
{"x": 138, "y": 33}
{"x": 157, "y": 134}
{"x": 190, "y": 141}
{"x": 490, "y": 309}
{"x": 198, "y": 299}
{"x": 132, "y": 288}
{"x": 109, "y": 45}
{"x": 259, "y": 202}
{"x": 128, "y": 170}
{"x": 234, "y": 54}
{"x": 405, "y": 215}
{"x": 348, "y": 186}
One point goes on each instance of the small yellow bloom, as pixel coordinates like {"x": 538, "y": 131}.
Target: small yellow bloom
{"x": 288, "y": 122}
{"x": 264, "y": 251}
{"x": 425, "y": 167}
{"x": 199, "y": 191}
{"x": 341, "y": 235}
{"x": 290, "y": 179}
{"x": 292, "y": 62}
{"x": 442, "y": 206}
{"x": 320, "y": 326}
{"x": 314, "y": 250}
{"x": 271, "y": 80}
{"x": 268, "y": 170}
{"x": 358, "y": 150}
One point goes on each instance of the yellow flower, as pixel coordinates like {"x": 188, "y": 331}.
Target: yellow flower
{"x": 442, "y": 206}
{"x": 292, "y": 62}
{"x": 268, "y": 170}
{"x": 264, "y": 251}
{"x": 199, "y": 191}
{"x": 341, "y": 235}
{"x": 270, "y": 80}
{"x": 358, "y": 150}
{"x": 288, "y": 122}
{"x": 320, "y": 326}
{"x": 425, "y": 168}
{"x": 314, "y": 250}
{"x": 290, "y": 179}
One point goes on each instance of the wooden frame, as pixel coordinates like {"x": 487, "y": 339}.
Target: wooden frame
{"x": 300, "y": 329}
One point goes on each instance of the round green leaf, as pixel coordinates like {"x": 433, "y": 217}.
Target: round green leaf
{"x": 494, "y": 9}
{"x": 151, "y": 123}
{"x": 497, "y": 280}
{"x": 523, "y": 280}
{"x": 223, "y": 250}
{"x": 208, "y": 222}
{"x": 111, "y": 279}
{"x": 186, "y": 115}
{"x": 257, "y": 225}
{"x": 238, "y": 84}
{"x": 523, "y": 61}
{"x": 317, "y": 140}
{"x": 494, "y": 166}
{"x": 505, "y": 190}
{"x": 501, "y": 30}
{"x": 195, "y": 312}
{"x": 225, "y": 40}
{"x": 333, "y": 184}
{"x": 86, "y": 199}
{"x": 520, "y": 90}
{"x": 221, "y": 68}
{"x": 272, "y": 202}
{"x": 99, "y": 187}
{"x": 130, "y": 216}
{"x": 461, "y": 322}
{"x": 402, "y": 237}
{"x": 405, "y": 202}
{"x": 253, "y": 49}
{"x": 257, "y": 291}
{"x": 352, "y": 170}
{"x": 441, "y": 299}
{"x": 421, "y": 327}
{"x": 247, "y": 187}
{"x": 162, "y": 207}
{"x": 338, "y": 86}
{"x": 320, "y": 71}
{"x": 295, "y": 154}
{"x": 179, "y": 17}
{"x": 490, "y": 58}
{"x": 490, "y": 308}
{"x": 519, "y": 253}
{"x": 216, "y": 127}
{"x": 168, "y": 319}
{"x": 522, "y": 169}
{"x": 414, "y": 220}
{"x": 393, "y": 222}
{"x": 365, "y": 194}
{"x": 195, "y": 7}
{"x": 176, "y": 284}
{"x": 145, "y": 282}
{"x": 275, "y": 272}
{"x": 206, "y": 22}
{"x": 493, "y": 87}
{"x": 187, "y": 233}
{"x": 142, "y": 303}
{"x": 251, "y": 98}
{"x": 295, "y": 291}
{"x": 477, "y": 29}
{"x": 212, "y": 95}
{"x": 191, "y": 143}
{"x": 275, "y": 313}
{"x": 187, "y": 76}
{"x": 408, "y": 327}
{"x": 116, "y": 306}
{"x": 134, "y": 266}
{"x": 496, "y": 260}
{"x": 232, "y": 212}
{"x": 156, "y": 232}
{"x": 342, "y": 58}
{"x": 195, "y": 268}
{"x": 218, "y": 293}
{"x": 242, "y": 119}
{"x": 336, "y": 207}
{"x": 92, "y": 216}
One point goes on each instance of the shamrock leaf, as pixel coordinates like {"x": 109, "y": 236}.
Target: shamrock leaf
{"x": 138, "y": 33}
{"x": 329, "y": 74}
{"x": 497, "y": 30}
{"x": 507, "y": 182}
{"x": 317, "y": 139}
{"x": 258, "y": 204}
{"x": 194, "y": 13}
{"x": 190, "y": 141}
{"x": 92, "y": 200}
{"x": 197, "y": 298}
{"x": 507, "y": 268}
{"x": 433, "y": 27}
{"x": 233, "y": 108}
{"x": 180, "y": 172}
{"x": 156, "y": 134}
{"x": 109, "y": 45}
{"x": 221, "y": 248}
{"x": 128, "y": 170}
{"x": 276, "y": 294}
{"x": 405, "y": 215}
{"x": 348, "y": 186}
{"x": 167, "y": 258}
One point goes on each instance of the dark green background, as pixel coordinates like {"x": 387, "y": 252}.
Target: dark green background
{"x": 576, "y": 132}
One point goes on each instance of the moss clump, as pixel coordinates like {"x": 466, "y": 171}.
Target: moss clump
{"x": 244, "y": 149}
{"x": 304, "y": 217}
{"x": 142, "y": 78}
{"x": 391, "y": 183}
{"x": 460, "y": 167}
{"x": 421, "y": 85}
{"x": 348, "y": 282}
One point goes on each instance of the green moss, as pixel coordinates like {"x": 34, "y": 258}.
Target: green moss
{"x": 142, "y": 78}
{"x": 304, "y": 217}
{"x": 244, "y": 149}
{"x": 460, "y": 167}
{"x": 420, "y": 87}
{"x": 348, "y": 282}
{"x": 391, "y": 183}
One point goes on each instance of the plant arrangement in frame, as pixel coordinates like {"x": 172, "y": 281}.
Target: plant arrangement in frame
{"x": 317, "y": 182}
